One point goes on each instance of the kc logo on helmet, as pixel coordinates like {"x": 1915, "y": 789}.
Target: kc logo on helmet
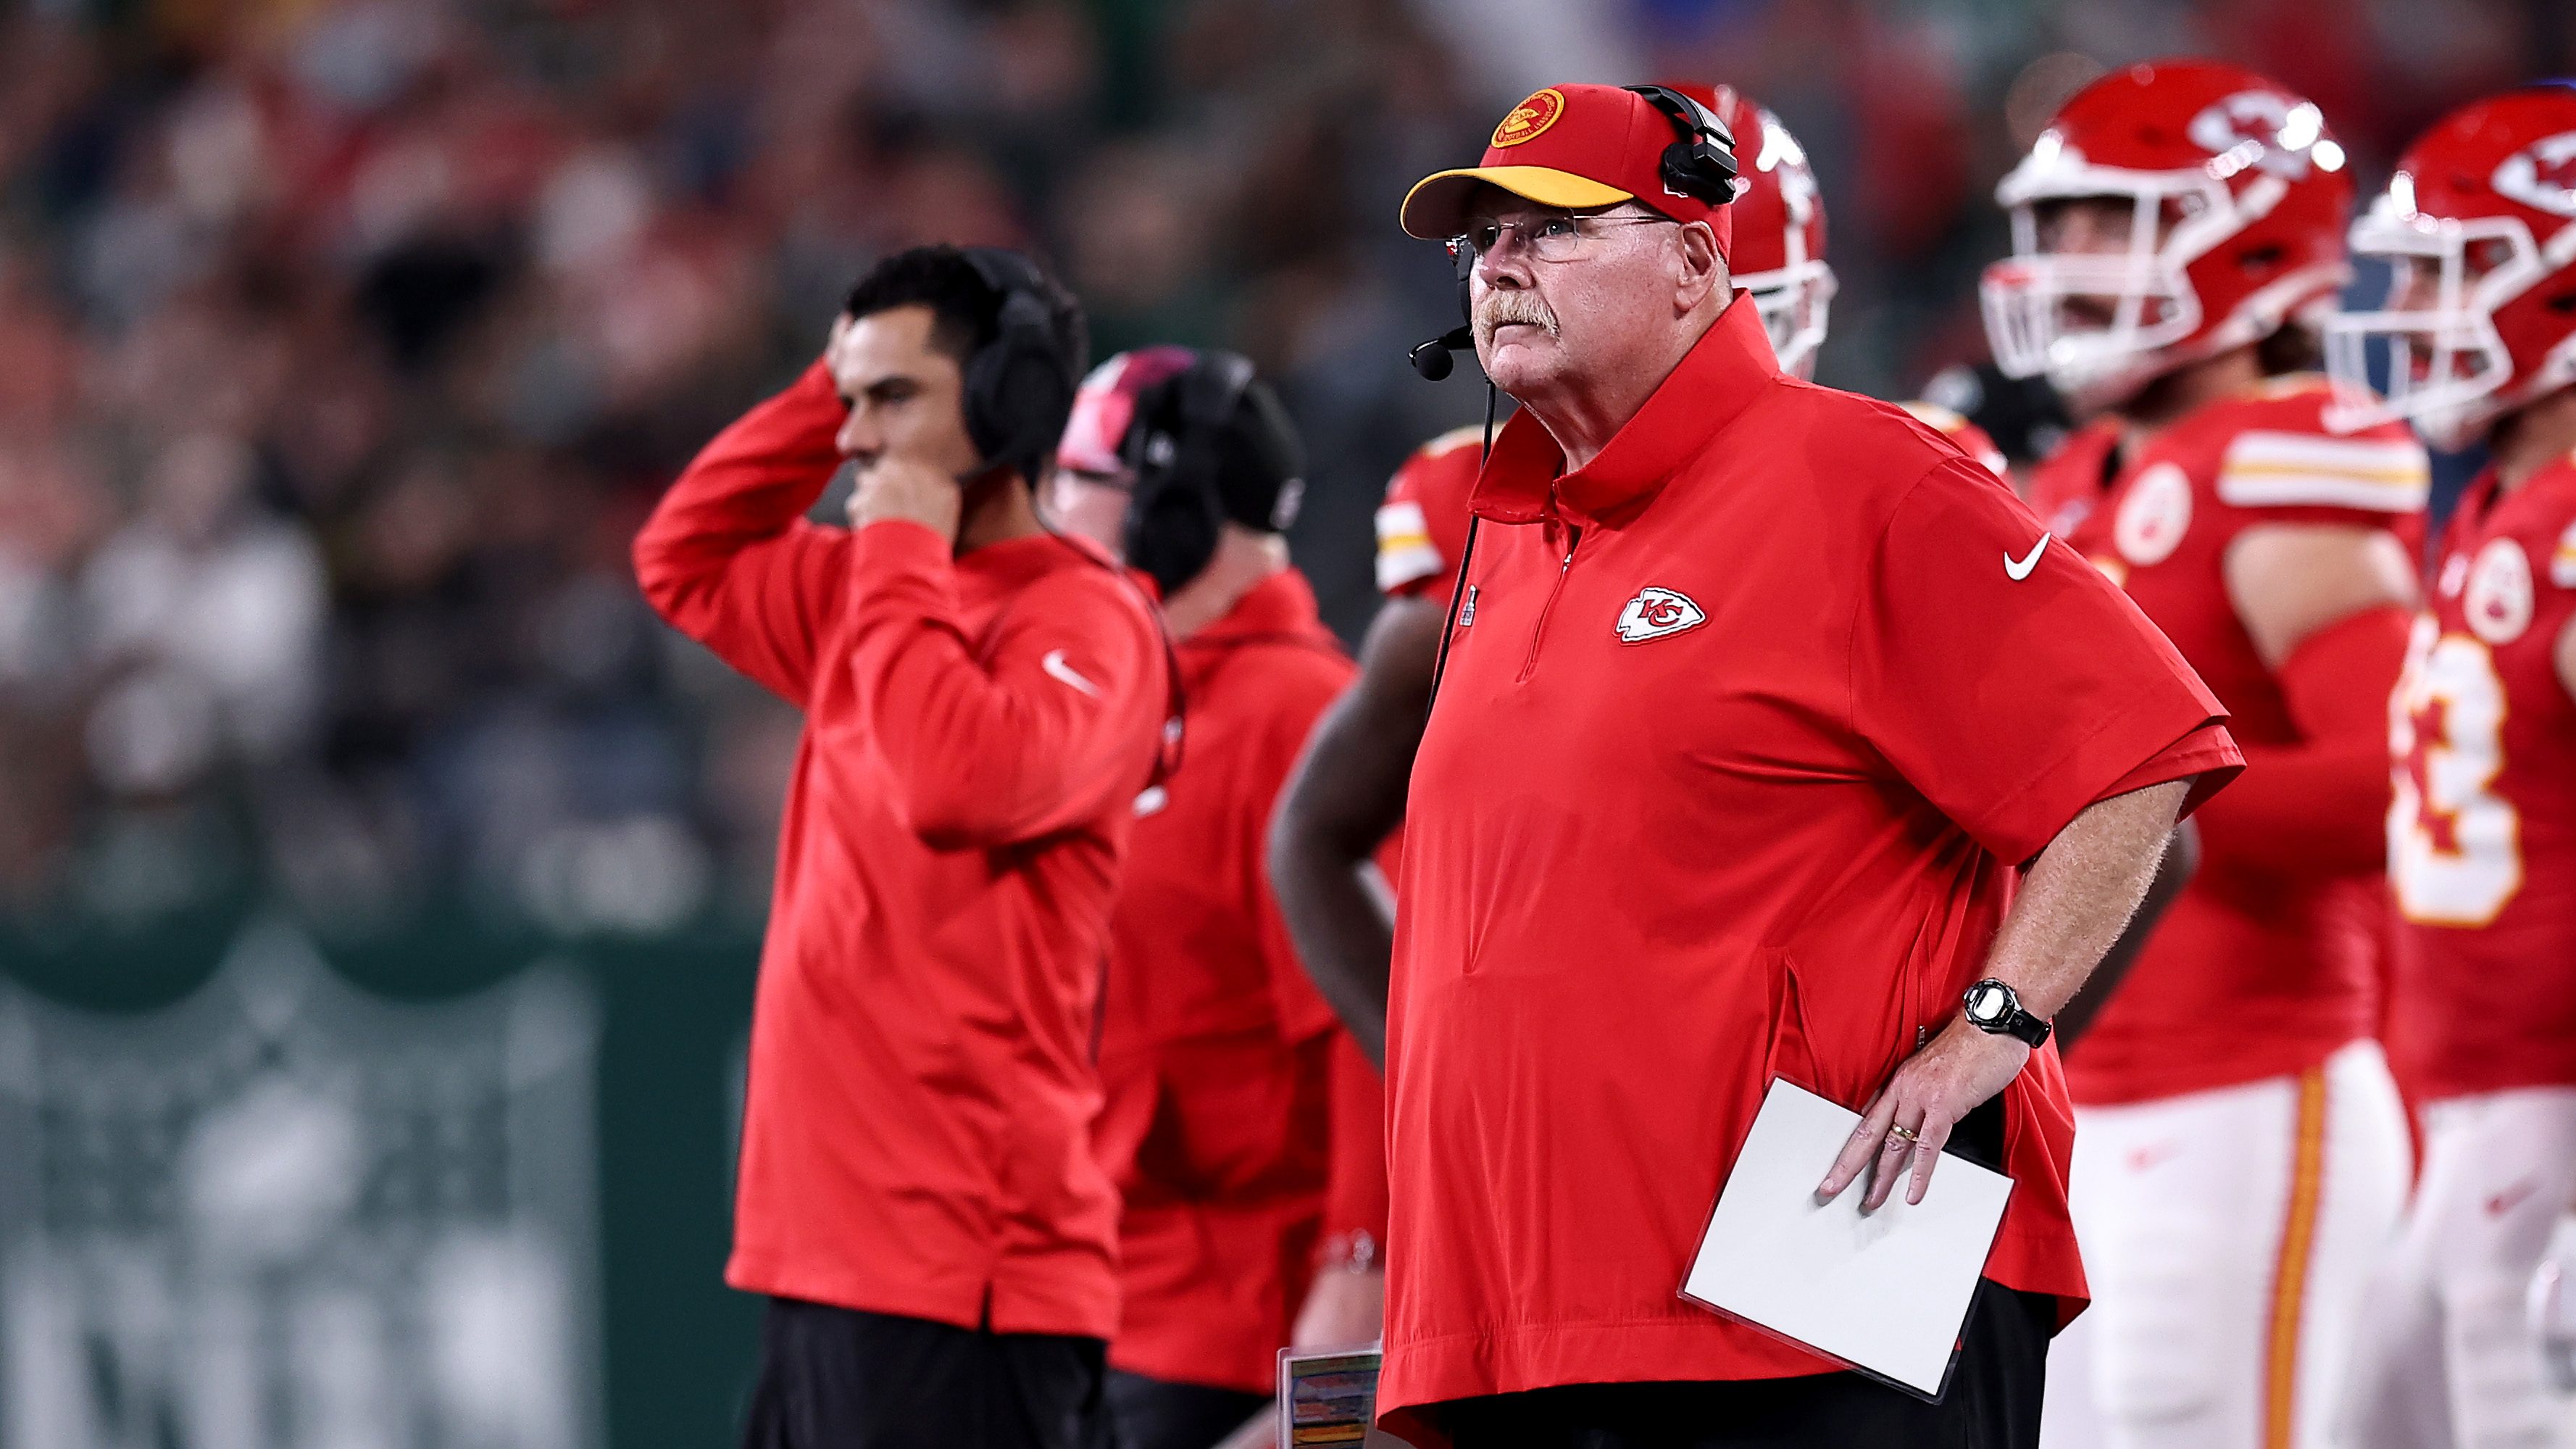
{"x": 2542, "y": 175}
{"x": 1656, "y": 613}
{"x": 1530, "y": 118}
{"x": 2258, "y": 128}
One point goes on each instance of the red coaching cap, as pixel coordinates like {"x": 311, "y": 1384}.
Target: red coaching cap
{"x": 1578, "y": 147}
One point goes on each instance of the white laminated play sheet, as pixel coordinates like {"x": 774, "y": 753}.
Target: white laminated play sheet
{"x": 1885, "y": 1292}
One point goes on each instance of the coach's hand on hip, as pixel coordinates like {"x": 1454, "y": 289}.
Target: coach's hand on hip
{"x": 1949, "y": 1078}
{"x": 2079, "y": 893}
{"x": 894, "y": 486}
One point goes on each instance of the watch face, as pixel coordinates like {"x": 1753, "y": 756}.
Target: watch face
{"x": 1986, "y": 1003}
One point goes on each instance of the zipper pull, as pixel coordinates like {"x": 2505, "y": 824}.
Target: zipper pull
{"x": 1467, "y": 608}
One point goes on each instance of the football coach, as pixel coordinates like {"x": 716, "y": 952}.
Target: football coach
{"x": 982, "y": 701}
{"x": 1756, "y": 697}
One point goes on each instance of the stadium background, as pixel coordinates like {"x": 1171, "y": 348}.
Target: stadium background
{"x": 342, "y": 348}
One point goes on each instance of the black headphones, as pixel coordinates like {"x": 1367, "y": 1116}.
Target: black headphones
{"x": 1701, "y": 160}
{"x": 1175, "y": 509}
{"x": 1019, "y": 386}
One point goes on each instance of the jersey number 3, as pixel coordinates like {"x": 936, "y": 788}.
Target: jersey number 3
{"x": 2454, "y": 846}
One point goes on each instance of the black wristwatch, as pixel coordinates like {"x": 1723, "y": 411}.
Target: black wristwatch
{"x": 1993, "y": 1006}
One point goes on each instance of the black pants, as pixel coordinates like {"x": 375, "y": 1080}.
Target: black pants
{"x": 1160, "y": 1414}
{"x": 839, "y": 1378}
{"x": 1992, "y": 1401}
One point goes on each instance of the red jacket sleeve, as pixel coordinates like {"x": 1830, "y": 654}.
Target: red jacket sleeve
{"x": 728, "y": 557}
{"x": 1056, "y": 714}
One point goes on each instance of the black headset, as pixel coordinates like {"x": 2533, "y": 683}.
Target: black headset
{"x": 1019, "y": 386}
{"x": 1701, "y": 160}
{"x": 1175, "y": 510}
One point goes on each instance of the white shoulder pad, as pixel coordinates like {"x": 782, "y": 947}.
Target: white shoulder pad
{"x": 1404, "y": 548}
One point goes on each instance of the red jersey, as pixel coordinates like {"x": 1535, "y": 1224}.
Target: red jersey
{"x": 1215, "y": 1050}
{"x": 2255, "y": 971}
{"x": 2482, "y": 837}
{"x": 1745, "y": 726}
{"x": 1422, "y": 525}
{"x": 917, "y": 1126}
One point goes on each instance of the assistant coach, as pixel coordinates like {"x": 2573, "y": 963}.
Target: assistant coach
{"x": 1756, "y": 695}
{"x": 982, "y": 703}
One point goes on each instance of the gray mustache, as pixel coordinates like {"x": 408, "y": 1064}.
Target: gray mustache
{"x": 1501, "y": 308}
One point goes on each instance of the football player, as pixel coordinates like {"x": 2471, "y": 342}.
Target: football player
{"x": 2178, "y": 235}
{"x": 2478, "y": 343}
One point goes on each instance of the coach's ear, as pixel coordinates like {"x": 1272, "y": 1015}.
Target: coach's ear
{"x": 1700, "y": 270}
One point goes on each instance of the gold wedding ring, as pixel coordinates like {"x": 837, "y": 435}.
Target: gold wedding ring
{"x": 1902, "y": 1134}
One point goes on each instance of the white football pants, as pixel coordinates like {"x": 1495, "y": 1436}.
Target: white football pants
{"x": 2228, "y": 1236}
{"x": 2447, "y": 1357}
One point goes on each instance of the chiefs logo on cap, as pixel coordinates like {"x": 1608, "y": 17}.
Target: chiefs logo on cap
{"x": 1530, "y": 118}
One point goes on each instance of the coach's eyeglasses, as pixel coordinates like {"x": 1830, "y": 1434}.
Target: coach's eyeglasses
{"x": 1557, "y": 237}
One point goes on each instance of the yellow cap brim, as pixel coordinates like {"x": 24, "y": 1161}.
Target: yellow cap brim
{"x": 1435, "y": 209}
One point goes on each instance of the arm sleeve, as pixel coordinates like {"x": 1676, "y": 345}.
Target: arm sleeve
{"x": 1355, "y": 1189}
{"x": 2013, "y": 704}
{"x": 2321, "y": 806}
{"x": 1301, "y": 1008}
{"x": 728, "y": 557}
{"x": 1055, "y": 715}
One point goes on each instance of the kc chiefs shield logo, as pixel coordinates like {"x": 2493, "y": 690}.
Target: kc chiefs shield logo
{"x": 1531, "y": 117}
{"x": 2542, "y": 174}
{"x": 1655, "y": 613}
{"x": 2274, "y": 131}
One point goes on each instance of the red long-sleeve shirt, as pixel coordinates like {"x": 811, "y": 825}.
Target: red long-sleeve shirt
{"x": 916, "y": 1138}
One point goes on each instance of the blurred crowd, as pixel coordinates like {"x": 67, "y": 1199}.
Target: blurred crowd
{"x": 344, "y": 343}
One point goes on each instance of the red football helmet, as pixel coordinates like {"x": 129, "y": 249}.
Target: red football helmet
{"x": 1096, "y": 432}
{"x": 1972, "y": 440}
{"x": 2485, "y": 205}
{"x": 1779, "y": 219}
{"x": 2239, "y": 198}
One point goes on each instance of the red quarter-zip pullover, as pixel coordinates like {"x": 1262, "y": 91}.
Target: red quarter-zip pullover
{"x": 1744, "y": 728}
{"x": 916, "y": 1138}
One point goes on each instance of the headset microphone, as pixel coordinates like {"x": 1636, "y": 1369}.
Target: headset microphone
{"x": 1432, "y": 359}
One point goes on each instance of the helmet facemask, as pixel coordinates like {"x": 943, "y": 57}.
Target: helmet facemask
{"x": 1793, "y": 303}
{"x": 2444, "y": 366}
{"x": 2156, "y": 315}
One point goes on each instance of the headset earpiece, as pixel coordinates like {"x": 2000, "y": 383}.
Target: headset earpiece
{"x": 1701, "y": 160}
{"x": 1175, "y": 513}
{"x": 1019, "y": 392}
